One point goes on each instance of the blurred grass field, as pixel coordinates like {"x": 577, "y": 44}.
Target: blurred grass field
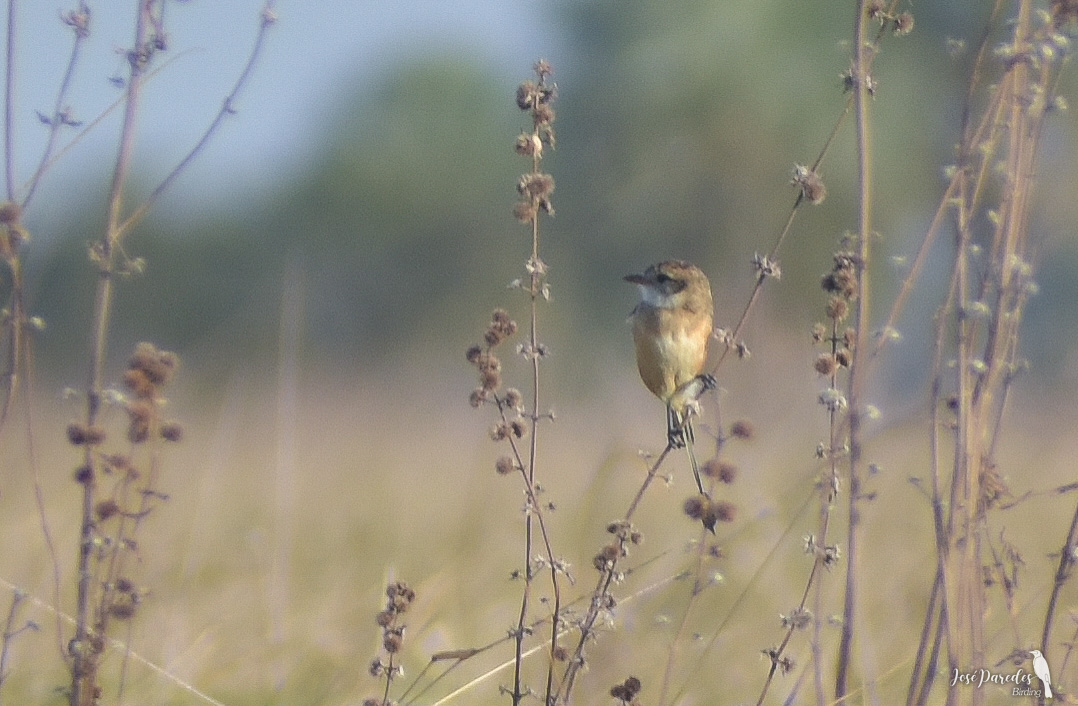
{"x": 292, "y": 504}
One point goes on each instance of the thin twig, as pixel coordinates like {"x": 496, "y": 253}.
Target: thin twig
{"x": 84, "y": 668}
{"x": 56, "y": 122}
{"x": 860, "y": 71}
{"x": 227, "y": 108}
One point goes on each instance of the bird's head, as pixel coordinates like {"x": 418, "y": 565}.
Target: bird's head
{"x": 671, "y": 284}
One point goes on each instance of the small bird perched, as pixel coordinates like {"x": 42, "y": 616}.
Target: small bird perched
{"x": 672, "y": 325}
{"x": 1040, "y": 668}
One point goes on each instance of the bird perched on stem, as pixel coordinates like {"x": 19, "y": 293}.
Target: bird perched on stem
{"x": 672, "y": 325}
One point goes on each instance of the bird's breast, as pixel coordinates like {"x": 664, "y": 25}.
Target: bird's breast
{"x": 671, "y": 347}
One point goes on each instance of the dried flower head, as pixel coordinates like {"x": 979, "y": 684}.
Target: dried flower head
{"x": 501, "y": 327}
{"x": 527, "y": 95}
{"x": 84, "y": 475}
{"x": 626, "y": 691}
{"x": 743, "y": 429}
{"x": 536, "y": 185}
{"x": 478, "y": 397}
{"x": 697, "y": 506}
{"x": 140, "y": 415}
{"x": 849, "y": 338}
{"x": 525, "y": 211}
{"x": 513, "y": 398}
{"x": 529, "y": 145}
{"x": 766, "y": 267}
{"x": 106, "y": 509}
{"x": 842, "y": 279}
{"x": 810, "y": 183}
{"x": 825, "y": 364}
{"x": 720, "y": 470}
{"x": 10, "y": 213}
{"x": 724, "y": 511}
{"x": 172, "y": 431}
{"x": 505, "y": 465}
{"x": 122, "y": 609}
{"x": 837, "y": 308}
{"x": 392, "y": 642}
{"x": 543, "y": 69}
{"x": 157, "y": 365}
{"x": 80, "y": 434}
{"x": 903, "y": 24}
{"x": 543, "y": 114}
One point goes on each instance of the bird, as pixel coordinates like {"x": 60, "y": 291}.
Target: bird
{"x": 1040, "y": 668}
{"x": 672, "y": 325}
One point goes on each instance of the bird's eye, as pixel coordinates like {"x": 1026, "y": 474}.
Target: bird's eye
{"x": 662, "y": 278}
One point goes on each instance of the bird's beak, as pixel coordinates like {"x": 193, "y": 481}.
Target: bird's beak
{"x": 637, "y": 279}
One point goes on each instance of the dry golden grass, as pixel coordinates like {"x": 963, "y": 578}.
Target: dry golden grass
{"x": 266, "y": 566}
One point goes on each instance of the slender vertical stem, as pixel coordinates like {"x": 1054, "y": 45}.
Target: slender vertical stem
{"x": 1066, "y": 566}
{"x": 862, "y": 60}
{"x": 84, "y": 669}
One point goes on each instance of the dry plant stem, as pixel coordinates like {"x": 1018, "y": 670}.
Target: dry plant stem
{"x": 39, "y": 499}
{"x": 945, "y": 203}
{"x": 775, "y": 657}
{"x": 601, "y": 593}
{"x": 862, "y": 62}
{"x": 941, "y": 524}
{"x": 923, "y": 673}
{"x": 698, "y": 585}
{"x": 129, "y": 528}
{"x": 925, "y": 662}
{"x": 17, "y": 322}
{"x": 9, "y": 172}
{"x": 1063, "y": 572}
{"x": 84, "y": 668}
{"x": 976, "y": 393}
{"x": 698, "y": 582}
{"x": 461, "y": 656}
{"x": 534, "y": 513}
{"x": 986, "y": 352}
{"x": 18, "y": 313}
{"x": 828, "y": 491}
{"x": 17, "y": 598}
{"x": 100, "y": 117}
{"x": 57, "y": 122}
{"x": 227, "y": 108}
{"x": 533, "y": 340}
{"x": 773, "y": 253}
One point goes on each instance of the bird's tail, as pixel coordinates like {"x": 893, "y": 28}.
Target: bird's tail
{"x": 689, "y": 439}
{"x": 679, "y": 430}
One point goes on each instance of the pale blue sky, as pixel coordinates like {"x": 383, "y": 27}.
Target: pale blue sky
{"x": 315, "y": 54}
